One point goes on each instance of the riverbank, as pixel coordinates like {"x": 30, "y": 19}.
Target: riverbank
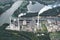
{"x": 5, "y": 6}
{"x": 4, "y": 18}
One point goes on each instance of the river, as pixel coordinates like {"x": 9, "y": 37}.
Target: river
{"x": 4, "y": 18}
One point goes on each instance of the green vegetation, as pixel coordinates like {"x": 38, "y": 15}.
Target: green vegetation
{"x": 1, "y": 11}
{"x": 44, "y": 37}
{"x": 30, "y": 15}
{"x": 16, "y": 35}
{"x": 51, "y": 12}
{"x": 33, "y": 2}
{"x": 44, "y": 29}
{"x": 46, "y": 2}
{"x": 21, "y": 9}
{"x": 5, "y": 6}
{"x": 51, "y": 35}
{"x": 24, "y": 35}
{"x": 3, "y": 26}
{"x": 55, "y": 35}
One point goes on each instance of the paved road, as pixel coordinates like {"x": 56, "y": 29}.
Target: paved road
{"x": 4, "y": 18}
